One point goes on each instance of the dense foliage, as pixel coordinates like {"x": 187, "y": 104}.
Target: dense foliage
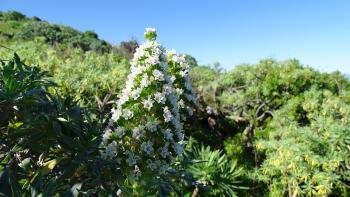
{"x": 215, "y": 170}
{"x": 269, "y": 129}
{"x": 290, "y": 125}
{"x": 47, "y": 142}
{"x": 52, "y": 34}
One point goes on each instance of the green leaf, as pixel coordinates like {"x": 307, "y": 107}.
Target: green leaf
{"x": 62, "y": 119}
{"x": 9, "y": 185}
{"x": 49, "y": 166}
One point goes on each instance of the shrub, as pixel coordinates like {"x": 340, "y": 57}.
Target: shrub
{"x": 49, "y": 145}
{"x": 81, "y": 75}
{"x": 12, "y": 16}
{"x": 215, "y": 170}
{"x": 59, "y": 34}
{"x": 308, "y": 157}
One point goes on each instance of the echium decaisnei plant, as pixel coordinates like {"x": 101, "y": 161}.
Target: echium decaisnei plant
{"x": 178, "y": 71}
{"x": 145, "y": 132}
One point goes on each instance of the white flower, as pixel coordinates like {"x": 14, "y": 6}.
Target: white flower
{"x": 175, "y": 58}
{"x": 158, "y": 75}
{"x": 178, "y": 59}
{"x": 167, "y": 89}
{"x": 145, "y": 82}
{"x": 168, "y": 135}
{"x": 164, "y": 151}
{"x": 111, "y": 150}
{"x": 178, "y": 148}
{"x": 157, "y": 51}
{"x": 172, "y": 78}
{"x": 152, "y": 60}
{"x": 132, "y": 159}
{"x": 179, "y": 91}
{"x": 163, "y": 168}
{"x": 180, "y": 135}
{"x": 123, "y": 99}
{"x": 148, "y": 103}
{"x": 138, "y": 54}
{"x": 120, "y": 131}
{"x": 138, "y": 132}
{"x": 135, "y": 70}
{"x": 151, "y": 165}
{"x": 167, "y": 114}
{"x": 136, "y": 93}
{"x": 209, "y": 110}
{"x": 183, "y": 73}
{"x": 147, "y": 147}
{"x": 116, "y": 113}
{"x": 127, "y": 114}
{"x": 159, "y": 97}
{"x": 130, "y": 81}
{"x": 136, "y": 173}
{"x": 106, "y": 135}
{"x": 181, "y": 103}
{"x": 151, "y": 125}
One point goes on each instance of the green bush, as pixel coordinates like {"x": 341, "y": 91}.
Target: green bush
{"x": 215, "y": 170}
{"x": 49, "y": 145}
{"x": 82, "y": 75}
{"x": 308, "y": 155}
{"x": 12, "y": 16}
{"x": 280, "y": 106}
{"x": 55, "y": 34}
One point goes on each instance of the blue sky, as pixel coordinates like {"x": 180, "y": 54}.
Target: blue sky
{"x": 231, "y": 32}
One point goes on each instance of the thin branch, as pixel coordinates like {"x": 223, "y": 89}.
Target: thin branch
{"x": 262, "y": 116}
{"x": 257, "y": 112}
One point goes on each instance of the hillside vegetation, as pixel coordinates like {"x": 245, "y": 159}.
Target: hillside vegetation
{"x": 275, "y": 128}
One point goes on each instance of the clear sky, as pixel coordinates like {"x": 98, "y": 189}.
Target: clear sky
{"x": 317, "y": 32}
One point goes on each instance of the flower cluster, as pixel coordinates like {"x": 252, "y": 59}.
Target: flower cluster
{"x": 178, "y": 71}
{"x": 145, "y": 130}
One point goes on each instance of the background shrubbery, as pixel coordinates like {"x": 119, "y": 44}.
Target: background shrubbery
{"x": 269, "y": 129}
